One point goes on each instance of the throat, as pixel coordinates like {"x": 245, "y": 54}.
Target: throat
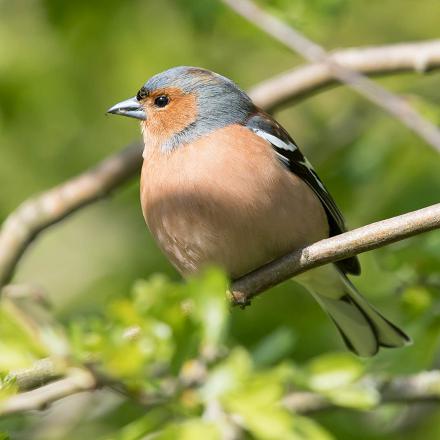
{"x": 160, "y": 140}
{"x": 185, "y": 136}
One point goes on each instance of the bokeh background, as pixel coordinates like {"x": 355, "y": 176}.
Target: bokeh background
{"x": 62, "y": 64}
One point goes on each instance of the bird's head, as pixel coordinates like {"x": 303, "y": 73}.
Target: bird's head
{"x": 183, "y": 103}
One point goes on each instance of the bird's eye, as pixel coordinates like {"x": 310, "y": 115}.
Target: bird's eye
{"x": 142, "y": 94}
{"x": 161, "y": 101}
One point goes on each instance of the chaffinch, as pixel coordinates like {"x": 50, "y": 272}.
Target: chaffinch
{"x": 223, "y": 183}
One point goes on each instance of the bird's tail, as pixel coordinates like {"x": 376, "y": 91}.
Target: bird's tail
{"x": 362, "y": 327}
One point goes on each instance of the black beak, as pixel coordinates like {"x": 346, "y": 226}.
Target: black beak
{"x": 130, "y": 107}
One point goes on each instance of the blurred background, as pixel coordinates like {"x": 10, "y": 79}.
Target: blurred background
{"x": 62, "y": 64}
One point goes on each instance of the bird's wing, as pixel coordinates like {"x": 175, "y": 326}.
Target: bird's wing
{"x": 290, "y": 155}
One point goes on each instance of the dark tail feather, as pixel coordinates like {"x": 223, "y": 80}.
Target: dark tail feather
{"x": 362, "y": 327}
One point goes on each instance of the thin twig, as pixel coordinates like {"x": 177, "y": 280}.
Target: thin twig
{"x": 301, "y": 82}
{"x": 28, "y": 292}
{"x": 293, "y": 39}
{"x": 77, "y": 381}
{"x": 40, "y": 373}
{"x": 335, "y": 248}
{"x": 43, "y": 383}
{"x": 38, "y": 213}
{"x": 420, "y": 387}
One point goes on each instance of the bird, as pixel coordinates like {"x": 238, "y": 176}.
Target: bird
{"x": 223, "y": 183}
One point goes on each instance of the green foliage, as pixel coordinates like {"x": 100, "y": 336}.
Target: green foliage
{"x": 163, "y": 323}
{"x": 18, "y": 344}
{"x": 171, "y": 341}
{"x": 168, "y": 346}
{"x": 337, "y": 376}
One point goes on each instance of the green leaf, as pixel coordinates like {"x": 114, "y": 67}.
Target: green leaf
{"x": 257, "y": 402}
{"x": 259, "y": 408}
{"x": 193, "y": 429}
{"x": 210, "y": 305}
{"x": 19, "y": 346}
{"x": 416, "y": 298}
{"x": 274, "y": 347}
{"x": 8, "y": 387}
{"x": 360, "y": 396}
{"x": 228, "y": 375}
{"x": 146, "y": 293}
{"x": 307, "y": 429}
{"x": 336, "y": 376}
{"x": 146, "y": 423}
{"x": 333, "y": 371}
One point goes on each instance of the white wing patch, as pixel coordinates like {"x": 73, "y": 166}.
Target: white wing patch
{"x": 275, "y": 140}
{"x": 283, "y": 159}
{"x": 309, "y": 166}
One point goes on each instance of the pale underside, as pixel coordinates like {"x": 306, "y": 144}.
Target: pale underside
{"x": 227, "y": 200}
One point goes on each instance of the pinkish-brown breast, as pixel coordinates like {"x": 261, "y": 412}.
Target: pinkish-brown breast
{"x": 227, "y": 200}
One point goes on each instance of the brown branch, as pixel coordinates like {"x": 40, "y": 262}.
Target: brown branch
{"x": 40, "y": 373}
{"x": 28, "y": 292}
{"x": 303, "y": 81}
{"x": 38, "y": 213}
{"x": 335, "y": 248}
{"x": 77, "y": 381}
{"x": 293, "y": 39}
{"x": 46, "y": 382}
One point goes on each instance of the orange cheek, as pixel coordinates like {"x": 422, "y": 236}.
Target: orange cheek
{"x": 162, "y": 124}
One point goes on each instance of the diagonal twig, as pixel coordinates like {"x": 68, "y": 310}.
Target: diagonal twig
{"x": 40, "y": 373}
{"x": 46, "y": 382}
{"x": 300, "y": 82}
{"x": 293, "y": 39}
{"x": 38, "y": 213}
{"x": 420, "y": 387}
{"x": 77, "y": 381}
